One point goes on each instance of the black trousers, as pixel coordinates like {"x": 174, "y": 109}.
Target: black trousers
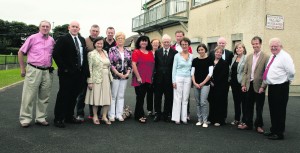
{"x": 140, "y": 92}
{"x": 165, "y": 89}
{"x": 278, "y": 96}
{"x": 252, "y": 98}
{"x": 80, "y": 102}
{"x": 150, "y": 93}
{"x": 70, "y": 86}
{"x": 239, "y": 101}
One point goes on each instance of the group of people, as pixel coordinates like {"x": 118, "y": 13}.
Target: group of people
{"x": 95, "y": 70}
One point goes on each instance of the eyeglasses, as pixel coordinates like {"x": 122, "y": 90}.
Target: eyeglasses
{"x": 120, "y": 38}
{"x": 184, "y": 44}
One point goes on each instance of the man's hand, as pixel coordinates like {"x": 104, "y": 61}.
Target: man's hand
{"x": 23, "y": 72}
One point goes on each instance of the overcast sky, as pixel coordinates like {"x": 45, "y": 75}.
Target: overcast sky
{"x": 116, "y": 13}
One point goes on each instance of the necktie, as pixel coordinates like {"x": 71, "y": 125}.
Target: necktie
{"x": 165, "y": 56}
{"x": 267, "y": 68}
{"x": 78, "y": 51}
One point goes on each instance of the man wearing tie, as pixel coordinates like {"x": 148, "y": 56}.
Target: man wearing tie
{"x": 278, "y": 75}
{"x": 70, "y": 56}
{"x": 253, "y": 84}
{"x": 164, "y": 58}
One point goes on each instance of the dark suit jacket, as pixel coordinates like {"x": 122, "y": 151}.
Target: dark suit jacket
{"x": 228, "y": 56}
{"x": 163, "y": 72}
{"x": 65, "y": 56}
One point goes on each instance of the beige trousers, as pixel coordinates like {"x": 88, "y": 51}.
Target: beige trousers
{"x": 36, "y": 90}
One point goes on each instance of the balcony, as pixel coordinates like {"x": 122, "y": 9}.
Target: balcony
{"x": 162, "y": 16}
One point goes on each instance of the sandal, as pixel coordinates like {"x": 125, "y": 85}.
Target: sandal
{"x": 106, "y": 121}
{"x": 142, "y": 120}
{"x": 96, "y": 121}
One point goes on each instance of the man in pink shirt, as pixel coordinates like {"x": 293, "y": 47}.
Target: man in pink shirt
{"x": 38, "y": 75}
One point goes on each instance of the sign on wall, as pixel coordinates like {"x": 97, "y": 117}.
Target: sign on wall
{"x": 275, "y": 22}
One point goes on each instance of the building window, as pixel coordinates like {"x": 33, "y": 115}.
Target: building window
{"x": 200, "y": 2}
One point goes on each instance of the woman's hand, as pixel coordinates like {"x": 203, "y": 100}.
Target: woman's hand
{"x": 174, "y": 86}
{"x": 90, "y": 86}
{"x": 139, "y": 80}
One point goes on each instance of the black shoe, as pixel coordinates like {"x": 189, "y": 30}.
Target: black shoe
{"x": 268, "y": 133}
{"x": 73, "y": 121}
{"x": 59, "y": 124}
{"x": 156, "y": 118}
{"x": 275, "y": 137}
{"x": 167, "y": 119}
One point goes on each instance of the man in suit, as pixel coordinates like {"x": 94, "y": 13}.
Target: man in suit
{"x": 227, "y": 56}
{"x": 94, "y": 33}
{"x": 70, "y": 56}
{"x": 253, "y": 84}
{"x": 164, "y": 58}
{"x": 279, "y": 73}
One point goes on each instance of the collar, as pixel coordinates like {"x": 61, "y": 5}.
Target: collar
{"x": 43, "y": 36}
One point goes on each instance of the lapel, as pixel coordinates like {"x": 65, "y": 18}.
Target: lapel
{"x": 71, "y": 41}
{"x": 240, "y": 63}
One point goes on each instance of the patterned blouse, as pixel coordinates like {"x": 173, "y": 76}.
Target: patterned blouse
{"x": 122, "y": 66}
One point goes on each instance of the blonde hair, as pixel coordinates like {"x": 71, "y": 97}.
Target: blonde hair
{"x": 119, "y": 34}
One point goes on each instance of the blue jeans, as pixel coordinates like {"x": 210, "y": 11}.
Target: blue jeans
{"x": 202, "y": 103}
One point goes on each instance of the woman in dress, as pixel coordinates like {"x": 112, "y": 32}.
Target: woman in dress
{"x": 181, "y": 78}
{"x": 236, "y": 74}
{"x": 202, "y": 70}
{"x": 155, "y": 43}
{"x": 142, "y": 65}
{"x": 120, "y": 59}
{"x": 217, "y": 94}
{"x": 99, "y": 89}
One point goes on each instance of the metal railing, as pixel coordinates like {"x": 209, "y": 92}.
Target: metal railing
{"x": 169, "y": 9}
{"x": 8, "y": 62}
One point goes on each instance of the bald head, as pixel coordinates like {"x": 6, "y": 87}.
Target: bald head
{"x": 222, "y": 42}
{"x": 74, "y": 28}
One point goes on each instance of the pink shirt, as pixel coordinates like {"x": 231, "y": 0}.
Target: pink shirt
{"x": 39, "y": 50}
{"x": 254, "y": 61}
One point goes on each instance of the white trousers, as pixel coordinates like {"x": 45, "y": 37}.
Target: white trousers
{"x": 117, "y": 103}
{"x": 180, "y": 102}
{"x": 36, "y": 90}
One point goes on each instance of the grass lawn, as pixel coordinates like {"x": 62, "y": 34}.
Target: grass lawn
{"x": 8, "y": 77}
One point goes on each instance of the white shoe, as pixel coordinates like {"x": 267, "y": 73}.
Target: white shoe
{"x": 198, "y": 123}
{"x": 205, "y": 125}
{"x": 217, "y": 124}
{"x": 121, "y": 119}
{"x": 112, "y": 119}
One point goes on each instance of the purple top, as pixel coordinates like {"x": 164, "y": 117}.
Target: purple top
{"x": 39, "y": 49}
{"x": 145, "y": 65}
{"x": 117, "y": 62}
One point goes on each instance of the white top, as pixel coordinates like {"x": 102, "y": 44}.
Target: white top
{"x": 178, "y": 48}
{"x": 122, "y": 57}
{"x": 281, "y": 70}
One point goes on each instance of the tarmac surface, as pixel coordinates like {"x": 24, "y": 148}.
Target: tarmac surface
{"x": 131, "y": 136}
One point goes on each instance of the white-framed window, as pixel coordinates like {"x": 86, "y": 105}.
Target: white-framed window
{"x": 199, "y": 2}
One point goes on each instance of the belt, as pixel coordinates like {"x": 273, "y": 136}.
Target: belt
{"x": 39, "y": 67}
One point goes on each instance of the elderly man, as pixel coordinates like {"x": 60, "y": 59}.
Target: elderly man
{"x": 94, "y": 33}
{"x": 38, "y": 75}
{"x": 253, "y": 84}
{"x": 70, "y": 56}
{"x": 164, "y": 58}
{"x": 278, "y": 74}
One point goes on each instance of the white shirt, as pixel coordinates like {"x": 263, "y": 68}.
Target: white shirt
{"x": 178, "y": 48}
{"x": 281, "y": 70}
{"x": 80, "y": 47}
{"x": 223, "y": 55}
